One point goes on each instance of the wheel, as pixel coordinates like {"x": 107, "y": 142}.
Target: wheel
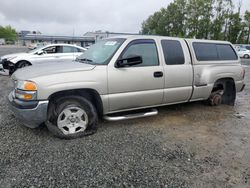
{"x": 246, "y": 56}
{"x": 72, "y": 117}
{"x": 23, "y": 64}
{"x": 214, "y": 99}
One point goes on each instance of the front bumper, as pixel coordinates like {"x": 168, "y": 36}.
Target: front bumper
{"x": 4, "y": 67}
{"x": 32, "y": 114}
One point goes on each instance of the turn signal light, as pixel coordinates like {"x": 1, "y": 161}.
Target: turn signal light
{"x": 30, "y": 86}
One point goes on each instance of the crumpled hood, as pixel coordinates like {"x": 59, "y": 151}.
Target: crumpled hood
{"x": 14, "y": 55}
{"x": 31, "y": 72}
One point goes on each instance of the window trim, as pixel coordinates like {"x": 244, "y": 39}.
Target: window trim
{"x": 140, "y": 41}
{"x": 218, "y": 56}
{"x": 166, "y": 57}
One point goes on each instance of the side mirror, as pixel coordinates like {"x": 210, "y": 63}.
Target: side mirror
{"x": 129, "y": 61}
{"x": 41, "y": 52}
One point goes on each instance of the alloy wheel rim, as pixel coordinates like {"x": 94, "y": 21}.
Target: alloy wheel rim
{"x": 72, "y": 120}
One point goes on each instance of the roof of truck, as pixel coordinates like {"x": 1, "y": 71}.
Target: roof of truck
{"x": 166, "y": 37}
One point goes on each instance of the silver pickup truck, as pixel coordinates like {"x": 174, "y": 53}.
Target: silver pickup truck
{"x": 123, "y": 78}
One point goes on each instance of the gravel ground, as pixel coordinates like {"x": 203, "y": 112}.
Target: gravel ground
{"x": 187, "y": 145}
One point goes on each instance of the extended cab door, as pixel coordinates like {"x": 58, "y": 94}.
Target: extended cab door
{"x": 139, "y": 85}
{"x": 178, "y": 71}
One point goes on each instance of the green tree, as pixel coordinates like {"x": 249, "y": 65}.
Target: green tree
{"x": 204, "y": 19}
{"x": 8, "y": 33}
{"x": 247, "y": 25}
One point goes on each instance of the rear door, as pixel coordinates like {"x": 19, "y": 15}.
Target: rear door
{"x": 178, "y": 71}
{"x": 68, "y": 53}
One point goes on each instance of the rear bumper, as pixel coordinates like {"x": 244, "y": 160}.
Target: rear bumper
{"x": 32, "y": 114}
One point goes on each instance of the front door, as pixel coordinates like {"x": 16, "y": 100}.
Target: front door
{"x": 51, "y": 54}
{"x": 139, "y": 85}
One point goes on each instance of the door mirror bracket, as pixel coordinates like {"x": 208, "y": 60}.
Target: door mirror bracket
{"x": 129, "y": 61}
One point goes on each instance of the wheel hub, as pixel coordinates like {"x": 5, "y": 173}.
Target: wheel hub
{"x": 72, "y": 120}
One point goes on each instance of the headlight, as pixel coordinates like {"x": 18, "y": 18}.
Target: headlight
{"x": 25, "y": 90}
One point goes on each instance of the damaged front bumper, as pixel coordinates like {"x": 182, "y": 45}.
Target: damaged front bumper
{"x": 6, "y": 67}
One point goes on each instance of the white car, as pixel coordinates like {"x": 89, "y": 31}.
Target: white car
{"x": 243, "y": 52}
{"x": 46, "y": 54}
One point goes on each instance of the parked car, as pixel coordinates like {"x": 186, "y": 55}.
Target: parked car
{"x": 243, "y": 52}
{"x": 46, "y": 54}
{"x": 123, "y": 75}
{"x": 2, "y": 41}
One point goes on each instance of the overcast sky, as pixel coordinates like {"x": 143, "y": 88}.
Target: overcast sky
{"x": 79, "y": 16}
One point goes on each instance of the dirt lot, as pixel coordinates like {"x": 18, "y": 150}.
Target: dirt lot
{"x": 188, "y": 145}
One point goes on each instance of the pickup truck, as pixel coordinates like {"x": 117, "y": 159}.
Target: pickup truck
{"x": 125, "y": 77}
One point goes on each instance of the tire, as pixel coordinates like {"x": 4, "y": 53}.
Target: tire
{"x": 19, "y": 65}
{"x": 72, "y": 117}
{"x": 23, "y": 64}
{"x": 246, "y": 56}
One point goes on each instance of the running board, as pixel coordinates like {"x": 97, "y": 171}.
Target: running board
{"x": 152, "y": 112}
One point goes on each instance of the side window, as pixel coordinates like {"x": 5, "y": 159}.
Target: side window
{"x": 68, "y": 49}
{"x": 226, "y": 52}
{"x": 53, "y": 49}
{"x": 214, "y": 52}
{"x": 205, "y": 51}
{"x": 146, "y": 49}
{"x": 173, "y": 52}
{"x": 50, "y": 50}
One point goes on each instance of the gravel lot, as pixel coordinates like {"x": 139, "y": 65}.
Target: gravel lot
{"x": 187, "y": 145}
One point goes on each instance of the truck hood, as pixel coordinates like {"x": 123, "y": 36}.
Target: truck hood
{"x": 29, "y": 73}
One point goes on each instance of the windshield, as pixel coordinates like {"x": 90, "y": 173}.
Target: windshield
{"x": 35, "y": 50}
{"x": 101, "y": 52}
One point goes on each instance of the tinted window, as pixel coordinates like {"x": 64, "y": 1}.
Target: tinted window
{"x": 205, "y": 51}
{"x": 69, "y": 49}
{"x": 214, "y": 52}
{"x": 248, "y": 47}
{"x": 173, "y": 52}
{"x": 144, "y": 48}
{"x": 226, "y": 52}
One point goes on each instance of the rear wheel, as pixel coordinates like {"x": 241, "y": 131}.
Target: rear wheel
{"x": 246, "y": 56}
{"x": 224, "y": 92}
{"x": 72, "y": 117}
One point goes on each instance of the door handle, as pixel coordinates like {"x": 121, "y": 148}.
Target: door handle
{"x": 158, "y": 74}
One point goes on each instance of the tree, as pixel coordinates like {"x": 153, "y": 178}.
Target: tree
{"x": 8, "y": 33}
{"x": 203, "y": 19}
{"x": 247, "y": 25}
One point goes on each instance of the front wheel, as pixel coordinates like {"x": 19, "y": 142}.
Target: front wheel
{"x": 72, "y": 117}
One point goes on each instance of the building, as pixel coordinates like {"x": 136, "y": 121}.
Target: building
{"x": 28, "y": 39}
{"x": 99, "y": 35}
